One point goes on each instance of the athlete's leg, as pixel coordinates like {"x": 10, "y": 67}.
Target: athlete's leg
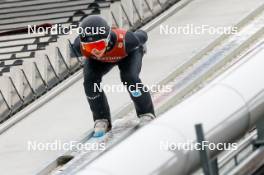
{"x": 130, "y": 68}
{"x": 93, "y": 72}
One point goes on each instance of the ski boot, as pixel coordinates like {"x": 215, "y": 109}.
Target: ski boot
{"x": 146, "y": 118}
{"x": 101, "y": 127}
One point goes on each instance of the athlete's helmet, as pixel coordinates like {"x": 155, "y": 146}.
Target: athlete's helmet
{"x": 94, "y": 35}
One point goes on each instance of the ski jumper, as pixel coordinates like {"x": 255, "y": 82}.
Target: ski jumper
{"x": 125, "y": 50}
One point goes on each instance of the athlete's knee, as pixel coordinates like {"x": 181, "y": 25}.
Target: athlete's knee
{"x": 91, "y": 77}
{"x": 91, "y": 81}
{"x": 129, "y": 78}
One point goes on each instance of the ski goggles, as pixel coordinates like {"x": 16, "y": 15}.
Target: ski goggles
{"x": 99, "y": 45}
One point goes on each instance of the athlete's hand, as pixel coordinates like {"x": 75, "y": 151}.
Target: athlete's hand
{"x": 98, "y": 53}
